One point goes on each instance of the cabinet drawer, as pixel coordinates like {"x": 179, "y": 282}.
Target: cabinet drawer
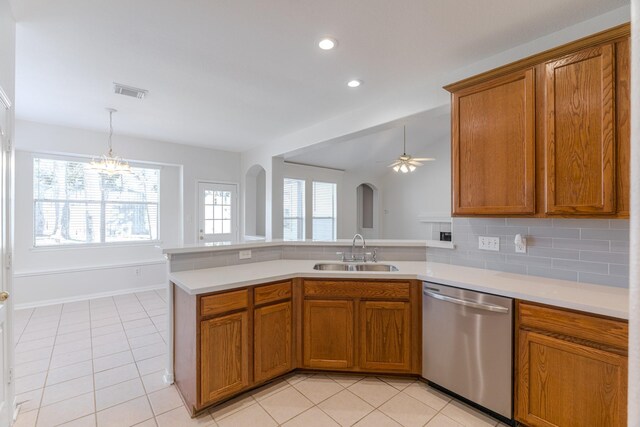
{"x": 353, "y": 289}
{"x": 584, "y": 326}
{"x": 273, "y": 292}
{"x": 222, "y": 303}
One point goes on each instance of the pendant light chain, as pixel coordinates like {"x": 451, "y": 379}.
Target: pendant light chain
{"x": 110, "y": 132}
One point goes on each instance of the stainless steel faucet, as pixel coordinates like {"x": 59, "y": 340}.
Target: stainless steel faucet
{"x": 353, "y": 244}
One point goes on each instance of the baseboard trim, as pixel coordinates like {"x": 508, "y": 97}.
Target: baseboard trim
{"x": 88, "y": 296}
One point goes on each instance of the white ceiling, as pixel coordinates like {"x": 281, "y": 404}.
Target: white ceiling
{"x": 235, "y": 74}
{"x": 374, "y": 151}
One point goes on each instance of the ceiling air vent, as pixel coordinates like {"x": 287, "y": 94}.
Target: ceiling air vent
{"x": 134, "y": 92}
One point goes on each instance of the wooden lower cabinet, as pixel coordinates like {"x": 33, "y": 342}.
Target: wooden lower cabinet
{"x": 224, "y": 361}
{"x": 328, "y": 334}
{"x": 385, "y": 335}
{"x": 366, "y": 326}
{"x": 565, "y": 377}
{"x": 272, "y": 341}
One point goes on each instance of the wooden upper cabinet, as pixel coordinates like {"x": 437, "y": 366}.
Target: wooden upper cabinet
{"x": 385, "y": 335}
{"x": 580, "y": 133}
{"x": 493, "y": 146}
{"x": 224, "y": 356}
{"x": 328, "y": 334}
{"x": 623, "y": 129}
{"x": 272, "y": 341}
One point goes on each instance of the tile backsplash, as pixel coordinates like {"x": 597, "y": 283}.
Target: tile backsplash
{"x": 585, "y": 250}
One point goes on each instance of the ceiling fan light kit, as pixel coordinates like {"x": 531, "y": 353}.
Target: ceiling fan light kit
{"x": 406, "y": 163}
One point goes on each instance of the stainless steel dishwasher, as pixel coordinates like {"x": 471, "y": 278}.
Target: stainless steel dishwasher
{"x": 467, "y": 345}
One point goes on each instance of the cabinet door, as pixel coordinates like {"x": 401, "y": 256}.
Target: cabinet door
{"x": 493, "y": 146}
{"x": 579, "y": 122}
{"x": 565, "y": 384}
{"x": 623, "y": 129}
{"x": 385, "y": 335}
{"x": 224, "y": 356}
{"x": 328, "y": 334}
{"x": 272, "y": 341}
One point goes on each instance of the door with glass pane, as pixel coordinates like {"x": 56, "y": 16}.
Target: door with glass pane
{"x": 217, "y": 212}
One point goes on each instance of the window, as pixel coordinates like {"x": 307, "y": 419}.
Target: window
{"x": 293, "y": 209}
{"x": 74, "y": 204}
{"x": 324, "y": 211}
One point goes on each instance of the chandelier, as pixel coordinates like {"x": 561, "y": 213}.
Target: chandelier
{"x": 109, "y": 163}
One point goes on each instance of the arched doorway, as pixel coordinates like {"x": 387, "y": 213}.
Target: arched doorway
{"x": 368, "y": 202}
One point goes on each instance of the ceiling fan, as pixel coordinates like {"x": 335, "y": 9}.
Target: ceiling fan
{"x": 406, "y": 163}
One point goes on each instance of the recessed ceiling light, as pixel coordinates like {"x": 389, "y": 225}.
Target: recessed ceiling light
{"x": 327, "y": 43}
{"x": 354, "y": 83}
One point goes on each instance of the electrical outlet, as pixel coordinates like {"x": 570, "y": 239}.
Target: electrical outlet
{"x": 245, "y": 254}
{"x": 489, "y": 243}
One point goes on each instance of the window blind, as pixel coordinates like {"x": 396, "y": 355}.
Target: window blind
{"x": 293, "y": 209}
{"x": 74, "y": 204}
{"x": 324, "y": 211}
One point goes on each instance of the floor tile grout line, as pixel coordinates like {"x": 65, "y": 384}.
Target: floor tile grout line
{"x": 93, "y": 369}
{"x": 146, "y": 393}
{"x": 46, "y": 377}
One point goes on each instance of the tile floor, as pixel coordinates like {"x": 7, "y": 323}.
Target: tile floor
{"x": 100, "y": 363}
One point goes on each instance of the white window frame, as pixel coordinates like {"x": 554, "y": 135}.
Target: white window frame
{"x": 304, "y": 218}
{"x": 334, "y": 217}
{"x": 86, "y": 159}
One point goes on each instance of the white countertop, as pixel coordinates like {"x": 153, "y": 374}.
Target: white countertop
{"x": 597, "y": 299}
{"x": 251, "y": 244}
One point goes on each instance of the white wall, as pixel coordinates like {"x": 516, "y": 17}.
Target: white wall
{"x": 7, "y": 49}
{"x": 417, "y": 100}
{"x": 61, "y": 273}
{"x": 424, "y": 192}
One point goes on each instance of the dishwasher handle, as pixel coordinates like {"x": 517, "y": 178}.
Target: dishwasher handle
{"x": 467, "y": 303}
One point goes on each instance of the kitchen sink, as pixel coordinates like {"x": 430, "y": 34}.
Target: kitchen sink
{"x": 336, "y": 266}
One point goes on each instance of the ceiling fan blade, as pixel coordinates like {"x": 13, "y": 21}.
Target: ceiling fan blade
{"x": 414, "y": 163}
{"x": 394, "y": 164}
{"x": 423, "y": 159}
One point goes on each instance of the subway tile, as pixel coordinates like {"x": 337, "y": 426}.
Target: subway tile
{"x": 541, "y": 242}
{"x": 469, "y": 229}
{"x": 567, "y": 233}
{"x": 506, "y": 267}
{"x": 622, "y": 224}
{"x": 589, "y": 267}
{"x": 619, "y": 270}
{"x": 553, "y": 253}
{"x": 528, "y": 260}
{"x": 529, "y": 222}
{"x": 580, "y": 223}
{"x": 604, "y": 279}
{"x": 552, "y": 273}
{"x": 486, "y": 256}
{"x": 580, "y": 244}
{"x": 488, "y": 221}
{"x": 504, "y": 230}
{"x": 619, "y": 247}
{"x": 598, "y": 234}
{"x": 609, "y": 257}
{"x": 465, "y": 262}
